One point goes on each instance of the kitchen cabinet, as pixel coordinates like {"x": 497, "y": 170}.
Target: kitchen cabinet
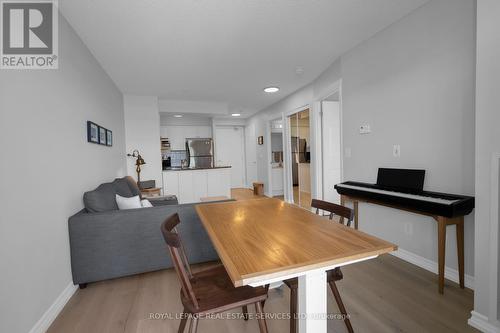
{"x": 277, "y": 177}
{"x": 191, "y": 185}
{"x": 219, "y": 183}
{"x": 178, "y": 134}
{"x": 170, "y": 183}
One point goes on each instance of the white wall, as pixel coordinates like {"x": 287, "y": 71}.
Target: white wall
{"x": 487, "y": 144}
{"x": 142, "y": 131}
{"x": 47, "y": 164}
{"x": 414, "y": 83}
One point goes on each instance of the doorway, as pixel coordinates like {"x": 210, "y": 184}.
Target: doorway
{"x": 230, "y": 151}
{"x": 277, "y": 163}
{"x": 300, "y": 157}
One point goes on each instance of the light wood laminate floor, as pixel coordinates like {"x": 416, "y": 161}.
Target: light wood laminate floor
{"x": 385, "y": 294}
{"x": 382, "y": 295}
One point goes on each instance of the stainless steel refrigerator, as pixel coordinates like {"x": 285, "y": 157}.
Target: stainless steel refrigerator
{"x": 199, "y": 153}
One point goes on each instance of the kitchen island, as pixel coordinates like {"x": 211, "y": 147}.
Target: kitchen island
{"x": 192, "y": 184}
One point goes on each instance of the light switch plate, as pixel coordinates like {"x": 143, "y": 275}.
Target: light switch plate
{"x": 396, "y": 150}
{"x": 365, "y": 129}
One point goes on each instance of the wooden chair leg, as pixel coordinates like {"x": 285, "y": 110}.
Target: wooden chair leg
{"x": 261, "y": 317}
{"x": 293, "y": 310}
{"x": 182, "y": 325}
{"x": 267, "y": 290}
{"x": 193, "y": 325}
{"x": 245, "y": 312}
{"x": 338, "y": 299}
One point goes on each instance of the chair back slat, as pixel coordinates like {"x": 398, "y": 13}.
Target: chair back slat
{"x": 178, "y": 255}
{"x": 333, "y": 209}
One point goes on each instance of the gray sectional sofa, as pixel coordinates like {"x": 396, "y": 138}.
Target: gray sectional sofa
{"x": 108, "y": 243}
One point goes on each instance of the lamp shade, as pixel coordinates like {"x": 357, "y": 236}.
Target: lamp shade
{"x": 140, "y": 160}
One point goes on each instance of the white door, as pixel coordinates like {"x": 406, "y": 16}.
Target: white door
{"x": 251, "y": 151}
{"x": 230, "y": 150}
{"x": 331, "y": 150}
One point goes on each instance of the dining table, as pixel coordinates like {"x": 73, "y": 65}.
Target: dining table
{"x": 267, "y": 240}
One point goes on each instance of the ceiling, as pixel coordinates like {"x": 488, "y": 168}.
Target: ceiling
{"x": 225, "y": 50}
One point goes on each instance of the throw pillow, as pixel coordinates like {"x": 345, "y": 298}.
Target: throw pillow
{"x": 146, "y": 203}
{"x": 128, "y": 203}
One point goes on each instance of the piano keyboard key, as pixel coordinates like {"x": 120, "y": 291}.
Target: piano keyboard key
{"x": 400, "y": 194}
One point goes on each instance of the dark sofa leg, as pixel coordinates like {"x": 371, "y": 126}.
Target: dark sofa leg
{"x": 83, "y": 285}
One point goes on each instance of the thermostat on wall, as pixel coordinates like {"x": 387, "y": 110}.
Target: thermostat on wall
{"x": 364, "y": 129}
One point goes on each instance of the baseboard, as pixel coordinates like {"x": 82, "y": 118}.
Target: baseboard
{"x": 432, "y": 266}
{"x": 51, "y": 314}
{"x": 481, "y": 322}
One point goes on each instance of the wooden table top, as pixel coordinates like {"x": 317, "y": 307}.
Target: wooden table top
{"x": 263, "y": 239}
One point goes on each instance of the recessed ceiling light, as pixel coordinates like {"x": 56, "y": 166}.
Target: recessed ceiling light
{"x": 235, "y": 114}
{"x": 177, "y": 115}
{"x": 271, "y": 89}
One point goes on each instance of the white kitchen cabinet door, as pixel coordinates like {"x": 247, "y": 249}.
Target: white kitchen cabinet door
{"x": 219, "y": 182}
{"x": 203, "y": 131}
{"x": 186, "y": 186}
{"x": 176, "y": 136}
{"x": 171, "y": 183}
{"x": 200, "y": 184}
{"x": 277, "y": 174}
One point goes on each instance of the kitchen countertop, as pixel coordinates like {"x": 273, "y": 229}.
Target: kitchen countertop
{"x": 191, "y": 169}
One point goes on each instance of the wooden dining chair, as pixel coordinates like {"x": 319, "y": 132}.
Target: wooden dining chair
{"x": 210, "y": 291}
{"x": 331, "y": 275}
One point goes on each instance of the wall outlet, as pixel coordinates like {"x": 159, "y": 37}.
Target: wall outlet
{"x": 396, "y": 150}
{"x": 408, "y": 228}
{"x": 365, "y": 129}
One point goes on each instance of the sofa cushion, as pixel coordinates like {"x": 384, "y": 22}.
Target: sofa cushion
{"x": 122, "y": 188}
{"x": 102, "y": 199}
{"x": 132, "y": 186}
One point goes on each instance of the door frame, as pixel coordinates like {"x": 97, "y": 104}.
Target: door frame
{"x": 287, "y": 151}
{"x": 336, "y": 87}
{"x": 243, "y": 149}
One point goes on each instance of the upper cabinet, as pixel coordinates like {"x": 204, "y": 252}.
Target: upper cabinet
{"x": 178, "y": 134}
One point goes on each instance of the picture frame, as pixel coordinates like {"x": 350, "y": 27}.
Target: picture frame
{"x": 260, "y": 140}
{"x": 109, "y": 138}
{"x": 92, "y": 132}
{"x": 102, "y": 135}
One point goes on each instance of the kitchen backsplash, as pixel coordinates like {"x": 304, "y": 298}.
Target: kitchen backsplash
{"x": 176, "y": 156}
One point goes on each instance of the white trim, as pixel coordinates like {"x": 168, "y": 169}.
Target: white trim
{"x": 481, "y": 322}
{"x": 494, "y": 220}
{"x": 43, "y": 324}
{"x": 432, "y": 266}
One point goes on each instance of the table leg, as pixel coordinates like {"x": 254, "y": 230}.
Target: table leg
{"x": 342, "y": 203}
{"x": 355, "y": 206}
{"x": 312, "y": 302}
{"x": 441, "y": 251}
{"x": 460, "y": 250}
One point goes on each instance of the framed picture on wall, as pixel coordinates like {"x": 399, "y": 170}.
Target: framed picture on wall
{"x": 109, "y": 138}
{"x": 102, "y": 135}
{"x": 92, "y": 132}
